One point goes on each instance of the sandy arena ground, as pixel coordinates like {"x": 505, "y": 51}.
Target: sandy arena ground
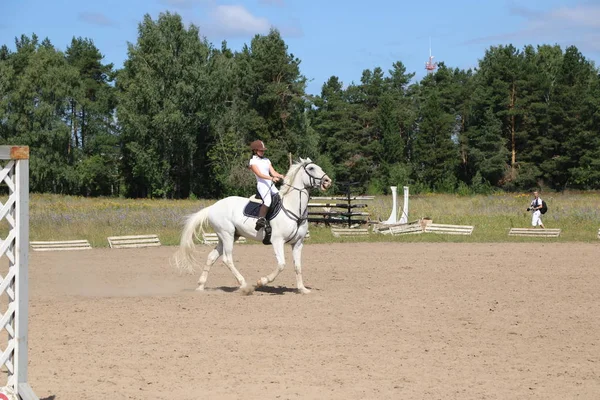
{"x": 384, "y": 321}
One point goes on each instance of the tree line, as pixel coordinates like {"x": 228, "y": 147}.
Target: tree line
{"x": 176, "y": 120}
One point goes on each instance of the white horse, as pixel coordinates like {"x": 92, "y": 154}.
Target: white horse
{"x": 227, "y": 219}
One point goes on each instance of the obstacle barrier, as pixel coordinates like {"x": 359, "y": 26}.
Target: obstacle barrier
{"x": 60, "y": 245}
{"x": 598, "y": 233}
{"x": 211, "y": 239}
{"x": 424, "y": 225}
{"x": 533, "y": 232}
{"x": 14, "y": 318}
{"x": 449, "y": 229}
{"x": 338, "y": 232}
{"x": 405, "y": 229}
{"x": 133, "y": 241}
{"x": 392, "y": 220}
{"x": 348, "y": 212}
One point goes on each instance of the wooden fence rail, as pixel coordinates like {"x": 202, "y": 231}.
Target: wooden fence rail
{"x": 60, "y": 245}
{"x": 133, "y": 241}
{"x": 533, "y": 232}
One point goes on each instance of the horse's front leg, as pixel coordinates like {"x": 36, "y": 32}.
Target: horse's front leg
{"x": 280, "y": 255}
{"x": 297, "y": 255}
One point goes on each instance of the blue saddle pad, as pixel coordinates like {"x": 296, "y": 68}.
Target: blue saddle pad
{"x": 252, "y": 208}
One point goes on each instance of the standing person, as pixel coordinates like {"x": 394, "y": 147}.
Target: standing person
{"x": 266, "y": 176}
{"x": 535, "y": 206}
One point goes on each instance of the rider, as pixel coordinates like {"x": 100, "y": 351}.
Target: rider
{"x": 265, "y": 178}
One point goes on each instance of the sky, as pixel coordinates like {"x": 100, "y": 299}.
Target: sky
{"x": 330, "y": 37}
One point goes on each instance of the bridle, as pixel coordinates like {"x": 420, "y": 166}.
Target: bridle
{"x": 302, "y": 216}
{"x": 313, "y": 179}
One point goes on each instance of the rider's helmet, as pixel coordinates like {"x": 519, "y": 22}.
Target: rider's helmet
{"x": 257, "y": 145}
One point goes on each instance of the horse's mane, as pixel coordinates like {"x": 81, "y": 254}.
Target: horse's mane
{"x": 290, "y": 176}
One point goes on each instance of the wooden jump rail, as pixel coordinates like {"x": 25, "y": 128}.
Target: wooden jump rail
{"x": 449, "y": 229}
{"x": 423, "y": 226}
{"x": 60, "y": 245}
{"x": 211, "y": 238}
{"x": 410, "y": 229}
{"x": 533, "y": 232}
{"x": 598, "y": 233}
{"x": 133, "y": 241}
{"x": 339, "y": 232}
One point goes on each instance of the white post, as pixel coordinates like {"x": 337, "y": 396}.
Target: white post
{"x": 392, "y": 218}
{"x": 404, "y": 217}
{"x": 16, "y": 248}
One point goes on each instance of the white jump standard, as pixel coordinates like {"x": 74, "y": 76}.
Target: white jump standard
{"x": 15, "y": 284}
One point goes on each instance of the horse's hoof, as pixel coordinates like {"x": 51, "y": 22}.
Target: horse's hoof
{"x": 200, "y": 289}
{"x": 246, "y": 290}
{"x": 262, "y": 282}
{"x": 304, "y": 290}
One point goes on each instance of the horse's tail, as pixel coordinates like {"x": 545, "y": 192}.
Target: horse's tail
{"x": 193, "y": 228}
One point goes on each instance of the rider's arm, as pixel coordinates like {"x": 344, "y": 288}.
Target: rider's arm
{"x": 274, "y": 173}
{"x": 257, "y": 172}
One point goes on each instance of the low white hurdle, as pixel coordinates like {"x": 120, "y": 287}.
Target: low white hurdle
{"x": 413, "y": 228}
{"x": 449, "y": 229}
{"x": 133, "y": 241}
{"x": 534, "y": 232}
{"x": 14, "y": 319}
{"x": 339, "y": 232}
{"x": 61, "y": 245}
{"x": 212, "y": 239}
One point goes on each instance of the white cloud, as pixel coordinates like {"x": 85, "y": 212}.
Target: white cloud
{"x": 583, "y": 16}
{"x": 235, "y": 20}
{"x": 185, "y": 4}
{"x": 272, "y": 2}
{"x": 95, "y": 18}
{"x": 577, "y": 25}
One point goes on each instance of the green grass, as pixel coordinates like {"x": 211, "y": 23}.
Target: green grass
{"x": 54, "y": 217}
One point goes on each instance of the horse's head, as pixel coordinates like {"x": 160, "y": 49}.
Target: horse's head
{"x": 314, "y": 176}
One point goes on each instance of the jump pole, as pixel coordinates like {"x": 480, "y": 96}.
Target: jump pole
{"x": 14, "y": 320}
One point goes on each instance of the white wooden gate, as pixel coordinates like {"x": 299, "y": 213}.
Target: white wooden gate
{"x": 14, "y": 175}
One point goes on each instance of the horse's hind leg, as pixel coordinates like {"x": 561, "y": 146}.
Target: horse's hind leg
{"x": 213, "y": 256}
{"x": 228, "y": 259}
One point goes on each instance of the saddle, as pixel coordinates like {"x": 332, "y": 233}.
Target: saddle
{"x": 254, "y": 203}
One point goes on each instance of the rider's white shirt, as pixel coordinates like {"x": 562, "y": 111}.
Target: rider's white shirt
{"x": 264, "y": 166}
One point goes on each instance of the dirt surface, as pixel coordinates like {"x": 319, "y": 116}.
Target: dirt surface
{"x": 383, "y": 321}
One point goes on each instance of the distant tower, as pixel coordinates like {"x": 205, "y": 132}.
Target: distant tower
{"x": 430, "y": 66}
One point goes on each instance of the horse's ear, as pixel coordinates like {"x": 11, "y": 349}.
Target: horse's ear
{"x": 301, "y": 160}
{"x": 308, "y": 160}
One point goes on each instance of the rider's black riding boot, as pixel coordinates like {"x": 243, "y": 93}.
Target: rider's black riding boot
{"x": 262, "y": 221}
